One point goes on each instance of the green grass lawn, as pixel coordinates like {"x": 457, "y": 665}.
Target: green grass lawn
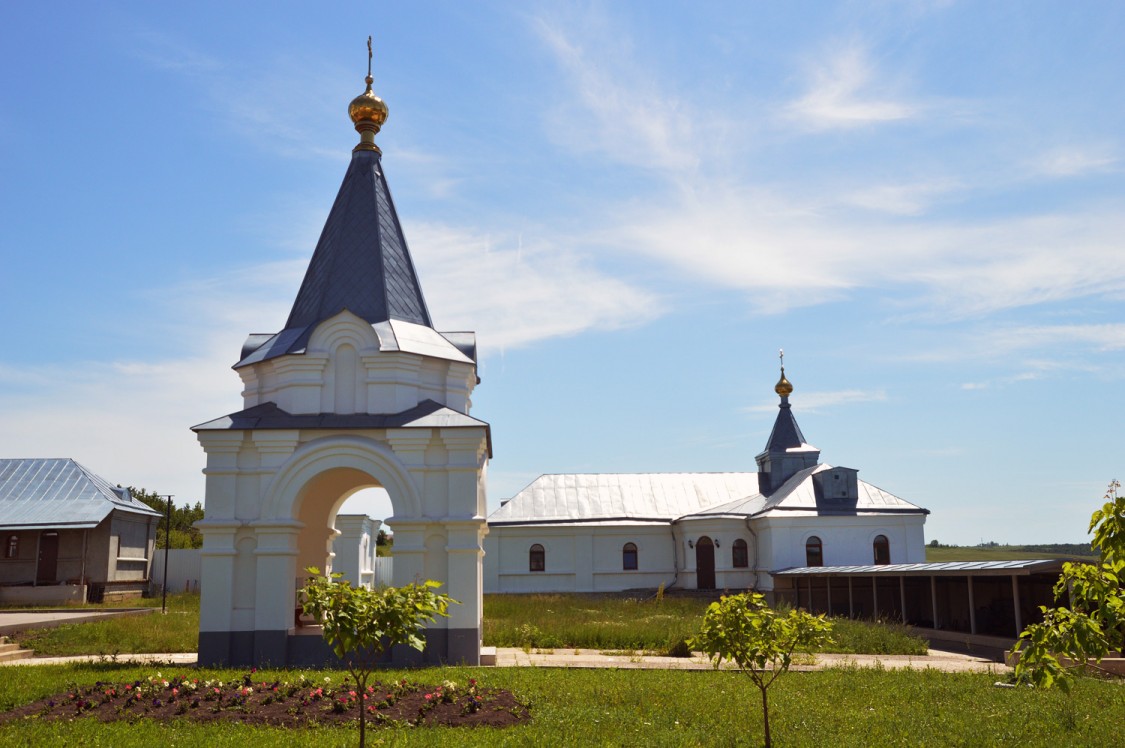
{"x": 556, "y": 621}
{"x": 175, "y": 631}
{"x": 531, "y": 621}
{"x": 851, "y": 707}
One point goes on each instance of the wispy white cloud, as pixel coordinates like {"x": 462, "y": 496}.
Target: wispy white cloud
{"x": 902, "y": 199}
{"x": 617, "y": 109}
{"x": 845, "y": 90}
{"x": 815, "y": 402}
{"x": 300, "y": 133}
{"x": 514, "y": 291}
{"x": 789, "y": 253}
{"x": 1073, "y": 161}
{"x": 164, "y": 51}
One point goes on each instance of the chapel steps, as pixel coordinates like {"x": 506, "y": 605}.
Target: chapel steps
{"x": 11, "y": 651}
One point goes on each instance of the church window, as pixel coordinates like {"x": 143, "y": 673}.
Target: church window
{"x": 629, "y": 556}
{"x": 814, "y": 552}
{"x": 882, "y": 548}
{"x": 13, "y": 548}
{"x": 739, "y": 556}
{"x": 537, "y": 558}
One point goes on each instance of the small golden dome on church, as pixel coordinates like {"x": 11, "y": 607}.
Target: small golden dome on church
{"x": 783, "y": 387}
{"x": 367, "y": 107}
{"x": 368, "y": 112}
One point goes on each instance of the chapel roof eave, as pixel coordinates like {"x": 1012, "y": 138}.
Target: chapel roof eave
{"x": 427, "y": 414}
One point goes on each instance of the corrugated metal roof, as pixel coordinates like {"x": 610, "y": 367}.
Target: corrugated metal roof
{"x": 621, "y": 496}
{"x": 670, "y": 497}
{"x": 947, "y": 568}
{"x": 42, "y": 493}
{"x": 799, "y": 494}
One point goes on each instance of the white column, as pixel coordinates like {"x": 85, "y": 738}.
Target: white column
{"x": 276, "y": 573}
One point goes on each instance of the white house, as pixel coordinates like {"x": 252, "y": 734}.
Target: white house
{"x": 612, "y": 532}
{"x": 69, "y": 535}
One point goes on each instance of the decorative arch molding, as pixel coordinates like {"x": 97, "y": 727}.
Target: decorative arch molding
{"x": 343, "y": 329}
{"x": 332, "y": 452}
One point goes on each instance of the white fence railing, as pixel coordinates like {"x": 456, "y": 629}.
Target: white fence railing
{"x": 184, "y": 576}
{"x": 183, "y": 569}
{"x": 384, "y": 571}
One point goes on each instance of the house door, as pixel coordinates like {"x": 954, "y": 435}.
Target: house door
{"x": 48, "y": 558}
{"x": 704, "y": 564}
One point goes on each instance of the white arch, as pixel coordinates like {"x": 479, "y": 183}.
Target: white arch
{"x": 342, "y": 329}
{"x": 359, "y": 453}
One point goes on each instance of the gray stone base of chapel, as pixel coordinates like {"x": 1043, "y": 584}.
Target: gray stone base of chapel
{"x": 285, "y": 649}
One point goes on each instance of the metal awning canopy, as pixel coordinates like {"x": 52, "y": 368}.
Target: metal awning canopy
{"x": 944, "y": 569}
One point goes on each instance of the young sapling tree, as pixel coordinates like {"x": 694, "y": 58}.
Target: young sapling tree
{"x": 760, "y": 640}
{"x": 358, "y": 622}
{"x": 1094, "y": 623}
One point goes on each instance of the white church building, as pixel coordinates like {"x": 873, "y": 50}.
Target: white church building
{"x": 614, "y": 532}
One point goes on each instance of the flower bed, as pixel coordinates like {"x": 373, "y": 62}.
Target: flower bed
{"x": 291, "y": 702}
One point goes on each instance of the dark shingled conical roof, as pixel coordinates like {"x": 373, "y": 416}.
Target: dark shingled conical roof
{"x": 786, "y": 433}
{"x": 361, "y": 262}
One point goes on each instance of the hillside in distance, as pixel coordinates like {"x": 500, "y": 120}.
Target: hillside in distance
{"x": 997, "y": 552}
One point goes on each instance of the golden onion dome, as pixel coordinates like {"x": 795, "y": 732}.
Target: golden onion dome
{"x": 368, "y": 112}
{"x": 783, "y": 387}
{"x": 367, "y": 107}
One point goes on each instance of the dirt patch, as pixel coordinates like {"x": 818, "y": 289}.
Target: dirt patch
{"x": 299, "y": 702}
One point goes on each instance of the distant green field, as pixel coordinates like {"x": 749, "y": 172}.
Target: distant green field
{"x": 1000, "y": 553}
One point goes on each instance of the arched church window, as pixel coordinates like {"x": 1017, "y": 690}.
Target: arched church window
{"x": 629, "y": 557}
{"x": 882, "y": 548}
{"x": 537, "y": 558}
{"x": 13, "y": 548}
{"x": 814, "y": 552}
{"x": 739, "y": 556}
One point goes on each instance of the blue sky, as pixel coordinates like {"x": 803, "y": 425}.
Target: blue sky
{"x": 633, "y": 204}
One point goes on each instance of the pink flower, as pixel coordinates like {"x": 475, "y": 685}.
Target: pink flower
{"x": 429, "y": 696}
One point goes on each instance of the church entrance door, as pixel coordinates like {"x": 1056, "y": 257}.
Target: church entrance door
{"x": 704, "y": 564}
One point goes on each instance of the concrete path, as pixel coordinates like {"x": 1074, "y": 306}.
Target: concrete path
{"x": 591, "y": 658}
{"x": 12, "y": 621}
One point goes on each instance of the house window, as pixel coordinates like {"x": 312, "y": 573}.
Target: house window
{"x": 739, "y": 557}
{"x": 537, "y": 558}
{"x": 882, "y": 548}
{"x": 814, "y": 552}
{"x": 629, "y": 557}
{"x": 13, "y": 549}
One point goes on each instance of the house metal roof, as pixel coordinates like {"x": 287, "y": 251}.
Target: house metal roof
{"x": 49, "y": 493}
{"x": 674, "y": 497}
{"x": 948, "y": 568}
{"x": 798, "y": 494}
{"x": 607, "y": 497}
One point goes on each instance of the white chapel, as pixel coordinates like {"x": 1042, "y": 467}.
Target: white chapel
{"x": 357, "y": 390}
{"x": 622, "y": 531}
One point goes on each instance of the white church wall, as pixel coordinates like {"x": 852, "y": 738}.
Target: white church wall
{"x": 724, "y": 532}
{"x": 577, "y": 558}
{"x": 845, "y": 541}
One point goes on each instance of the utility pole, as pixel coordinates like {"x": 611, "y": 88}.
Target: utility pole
{"x": 167, "y": 545}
